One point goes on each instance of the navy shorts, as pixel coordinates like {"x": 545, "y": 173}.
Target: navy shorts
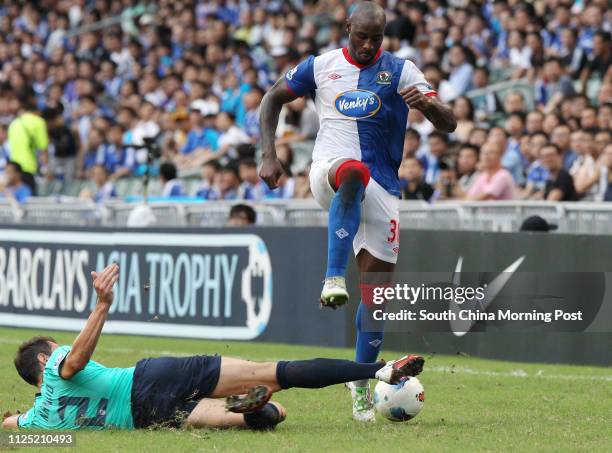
{"x": 166, "y": 389}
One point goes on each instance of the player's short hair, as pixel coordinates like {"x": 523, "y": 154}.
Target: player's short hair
{"x": 26, "y": 360}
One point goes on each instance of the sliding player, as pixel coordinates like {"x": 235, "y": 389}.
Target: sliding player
{"x": 362, "y": 95}
{"x": 76, "y": 392}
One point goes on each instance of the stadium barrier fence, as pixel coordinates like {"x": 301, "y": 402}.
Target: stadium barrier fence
{"x": 574, "y": 218}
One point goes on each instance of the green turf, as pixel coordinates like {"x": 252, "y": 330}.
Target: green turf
{"x": 471, "y": 405}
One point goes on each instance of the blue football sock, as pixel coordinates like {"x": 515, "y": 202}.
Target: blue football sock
{"x": 368, "y": 342}
{"x": 344, "y": 218}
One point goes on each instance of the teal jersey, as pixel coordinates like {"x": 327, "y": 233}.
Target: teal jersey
{"x": 96, "y": 397}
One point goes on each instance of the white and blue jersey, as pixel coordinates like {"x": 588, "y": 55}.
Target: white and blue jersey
{"x": 361, "y": 113}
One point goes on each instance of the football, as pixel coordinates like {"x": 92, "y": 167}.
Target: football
{"x": 399, "y": 402}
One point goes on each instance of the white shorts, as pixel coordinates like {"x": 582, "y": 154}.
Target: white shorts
{"x": 379, "y": 227}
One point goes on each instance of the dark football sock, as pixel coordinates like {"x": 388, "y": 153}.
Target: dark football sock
{"x": 317, "y": 373}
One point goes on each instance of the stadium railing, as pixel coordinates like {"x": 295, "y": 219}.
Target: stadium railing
{"x": 505, "y": 216}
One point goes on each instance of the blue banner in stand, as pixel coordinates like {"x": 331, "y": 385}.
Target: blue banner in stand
{"x": 179, "y": 283}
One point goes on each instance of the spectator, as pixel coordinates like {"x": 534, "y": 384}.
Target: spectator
{"x": 28, "y": 139}
{"x": 104, "y": 189}
{"x": 227, "y": 181}
{"x": 512, "y": 158}
{"x": 231, "y": 136}
{"x": 467, "y": 161}
{"x": 171, "y": 186}
{"x": 251, "y": 100}
{"x": 554, "y": 85}
{"x": 202, "y": 139}
{"x": 206, "y": 189}
{"x": 15, "y": 188}
{"x": 415, "y": 187}
{"x": 561, "y": 137}
{"x": 252, "y": 187}
{"x": 560, "y": 184}
{"x": 571, "y": 55}
{"x": 478, "y": 137}
{"x": 599, "y": 61}
{"x": 5, "y": 154}
{"x": 588, "y": 119}
{"x": 606, "y": 172}
{"x": 461, "y": 70}
{"x": 537, "y": 223}
{"x": 464, "y": 113}
{"x": 63, "y": 144}
{"x": 298, "y": 122}
{"x": 412, "y": 143}
{"x": 438, "y": 146}
{"x": 242, "y": 215}
{"x": 94, "y": 152}
{"x": 534, "y": 122}
{"x": 537, "y": 174}
{"x": 514, "y": 102}
{"x": 119, "y": 159}
{"x": 493, "y": 182}
{"x": 584, "y": 169}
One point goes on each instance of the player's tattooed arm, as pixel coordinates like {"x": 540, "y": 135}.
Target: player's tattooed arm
{"x": 270, "y": 108}
{"x": 440, "y": 115}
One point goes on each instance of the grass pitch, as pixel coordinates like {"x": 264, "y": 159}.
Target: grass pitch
{"x": 471, "y": 405}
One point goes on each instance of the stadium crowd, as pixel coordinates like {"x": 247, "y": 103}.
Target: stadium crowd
{"x": 184, "y": 79}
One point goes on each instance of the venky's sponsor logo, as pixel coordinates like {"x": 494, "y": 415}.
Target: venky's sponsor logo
{"x": 357, "y": 104}
{"x": 202, "y": 286}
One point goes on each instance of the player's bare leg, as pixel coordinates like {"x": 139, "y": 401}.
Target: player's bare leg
{"x": 369, "y": 340}
{"x": 237, "y": 376}
{"x": 212, "y": 413}
{"x": 348, "y": 178}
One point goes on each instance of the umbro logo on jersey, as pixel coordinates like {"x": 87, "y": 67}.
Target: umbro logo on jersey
{"x": 334, "y": 76}
{"x": 342, "y": 233}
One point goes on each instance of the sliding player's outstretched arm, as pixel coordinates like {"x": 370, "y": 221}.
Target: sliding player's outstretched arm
{"x": 85, "y": 344}
{"x": 271, "y": 105}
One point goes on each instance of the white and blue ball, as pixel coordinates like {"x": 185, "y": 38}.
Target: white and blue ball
{"x": 399, "y": 402}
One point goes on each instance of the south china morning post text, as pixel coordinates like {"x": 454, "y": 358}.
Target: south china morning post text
{"x": 476, "y": 301}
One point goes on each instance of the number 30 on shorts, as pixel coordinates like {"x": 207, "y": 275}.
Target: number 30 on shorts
{"x": 394, "y": 231}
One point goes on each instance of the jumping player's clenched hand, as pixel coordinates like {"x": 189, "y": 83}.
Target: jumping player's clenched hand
{"x": 271, "y": 171}
{"x": 415, "y": 98}
{"x": 103, "y": 283}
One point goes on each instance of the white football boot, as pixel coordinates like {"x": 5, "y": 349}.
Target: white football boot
{"x": 363, "y": 408}
{"x": 334, "y": 293}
